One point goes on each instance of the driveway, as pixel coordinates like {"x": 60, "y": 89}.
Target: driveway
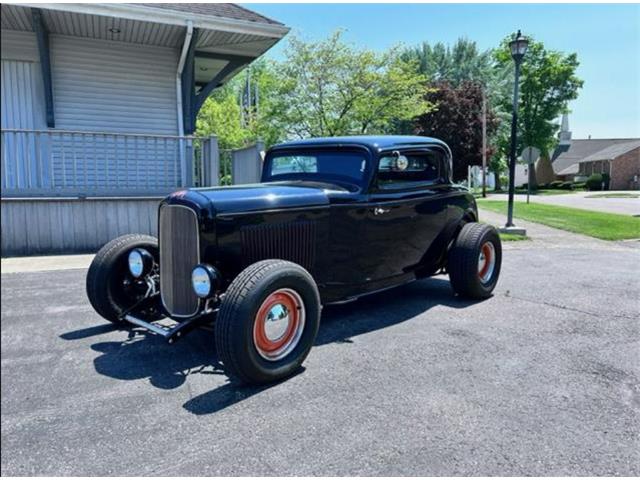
{"x": 584, "y": 200}
{"x": 540, "y": 379}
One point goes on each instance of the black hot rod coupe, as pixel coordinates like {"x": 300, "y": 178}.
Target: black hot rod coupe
{"x": 333, "y": 219}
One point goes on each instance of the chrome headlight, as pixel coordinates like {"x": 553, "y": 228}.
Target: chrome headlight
{"x": 205, "y": 280}
{"x": 140, "y": 262}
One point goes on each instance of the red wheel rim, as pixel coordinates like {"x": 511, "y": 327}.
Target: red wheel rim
{"x": 278, "y": 324}
{"x": 486, "y": 262}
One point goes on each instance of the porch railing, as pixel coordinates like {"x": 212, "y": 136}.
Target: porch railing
{"x": 63, "y": 163}
{"x": 74, "y": 163}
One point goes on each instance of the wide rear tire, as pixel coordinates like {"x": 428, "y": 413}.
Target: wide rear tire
{"x": 474, "y": 261}
{"x": 108, "y": 273}
{"x": 268, "y": 321}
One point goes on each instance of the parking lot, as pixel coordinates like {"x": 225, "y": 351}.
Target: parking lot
{"x": 541, "y": 379}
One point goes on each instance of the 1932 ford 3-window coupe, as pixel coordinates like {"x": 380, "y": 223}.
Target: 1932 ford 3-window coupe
{"x": 333, "y": 219}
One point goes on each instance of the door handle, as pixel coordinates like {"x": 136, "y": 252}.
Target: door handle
{"x": 381, "y": 211}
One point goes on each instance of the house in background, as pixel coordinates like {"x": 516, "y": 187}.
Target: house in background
{"x": 576, "y": 159}
{"x": 100, "y": 101}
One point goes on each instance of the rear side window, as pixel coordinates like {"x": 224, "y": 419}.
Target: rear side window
{"x": 407, "y": 169}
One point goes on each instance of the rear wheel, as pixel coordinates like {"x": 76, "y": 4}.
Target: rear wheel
{"x": 110, "y": 286}
{"x": 268, "y": 321}
{"x": 474, "y": 261}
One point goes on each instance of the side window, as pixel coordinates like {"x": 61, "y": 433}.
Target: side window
{"x": 405, "y": 170}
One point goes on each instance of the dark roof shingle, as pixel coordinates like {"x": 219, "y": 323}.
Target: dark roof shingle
{"x": 612, "y": 151}
{"x": 565, "y": 156}
{"x": 224, "y": 10}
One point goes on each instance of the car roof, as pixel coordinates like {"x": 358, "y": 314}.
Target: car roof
{"x": 373, "y": 142}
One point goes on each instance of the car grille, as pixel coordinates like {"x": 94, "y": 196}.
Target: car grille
{"x": 179, "y": 254}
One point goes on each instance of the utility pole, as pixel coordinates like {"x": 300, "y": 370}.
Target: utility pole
{"x": 484, "y": 142}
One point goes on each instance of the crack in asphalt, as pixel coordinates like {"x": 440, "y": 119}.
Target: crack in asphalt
{"x": 565, "y": 307}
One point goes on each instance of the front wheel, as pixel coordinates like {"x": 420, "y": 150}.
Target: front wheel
{"x": 111, "y": 288}
{"x": 475, "y": 260}
{"x": 268, "y": 321}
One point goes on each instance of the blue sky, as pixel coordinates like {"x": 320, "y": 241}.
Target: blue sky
{"x": 606, "y": 38}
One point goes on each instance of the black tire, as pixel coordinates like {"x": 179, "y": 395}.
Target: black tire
{"x": 108, "y": 271}
{"x": 463, "y": 262}
{"x": 234, "y": 329}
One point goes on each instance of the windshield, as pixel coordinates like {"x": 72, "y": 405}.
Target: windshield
{"x": 331, "y": 166}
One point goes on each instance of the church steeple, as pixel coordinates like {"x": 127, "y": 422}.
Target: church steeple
{"x": 565, "y": 134}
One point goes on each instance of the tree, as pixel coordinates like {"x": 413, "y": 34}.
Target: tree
{"x": 464, "y": 63}
{"x": 457, "y": 120}
{"x": 329, "y": 88}
{"x": 221, "y": 113}
{"x": 548, "y": 82}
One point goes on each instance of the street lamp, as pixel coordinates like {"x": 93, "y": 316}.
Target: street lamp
{"x": 518, "y": 48}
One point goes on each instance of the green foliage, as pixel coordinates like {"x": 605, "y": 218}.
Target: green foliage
{"x": 220, "y": 115}
{"x": 329, "y": 88}
{"x": 464, "y": 64}
{"x": 548, "y": 82}
{"x": 460, "y": 63}
{"x": 594, "y": 182}
{"x": 325, "y": 88}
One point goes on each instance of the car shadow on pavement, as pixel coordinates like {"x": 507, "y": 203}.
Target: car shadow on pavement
{"x": 373, "y": 312}
{"x": 144, "y": 355}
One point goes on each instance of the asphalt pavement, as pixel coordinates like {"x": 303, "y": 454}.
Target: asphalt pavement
{"x": 541, "y": 379}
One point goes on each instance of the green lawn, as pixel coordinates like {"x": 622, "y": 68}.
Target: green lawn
{"x": 606, "y": 226}
{"x": 510, "y": 237}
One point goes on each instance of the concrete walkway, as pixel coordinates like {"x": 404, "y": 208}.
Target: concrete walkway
{"x": 43, "y": 264}
{"x": 583, "y": 200}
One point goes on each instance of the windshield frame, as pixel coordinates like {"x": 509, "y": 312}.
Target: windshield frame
{"x": 345, "y": 181}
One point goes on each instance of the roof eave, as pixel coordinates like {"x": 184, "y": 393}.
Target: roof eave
{"x": 169, "y": 17}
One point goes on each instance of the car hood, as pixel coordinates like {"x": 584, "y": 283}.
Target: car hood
{"x": 266, "y": 196}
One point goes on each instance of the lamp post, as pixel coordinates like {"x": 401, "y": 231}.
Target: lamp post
{"x": 518, "y": 48}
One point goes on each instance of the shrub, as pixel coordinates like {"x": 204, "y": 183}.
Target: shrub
{"x": 556, "y": 184}
{"x": 606, "y": 179}
{"x": 594, "y": 182}
{"x": 579, "y": 186}
{"x": 566, "y": 185}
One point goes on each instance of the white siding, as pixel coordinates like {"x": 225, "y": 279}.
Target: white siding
{"x": 106, "y": 86}
{"x": 19, "y": 46}
{"x": 22, "y": 106}
{"x": 114, "y": 87}
{"x": 32, "y": 227}
{"x": 21, "y": 92}
{"x": 98, "y": 86}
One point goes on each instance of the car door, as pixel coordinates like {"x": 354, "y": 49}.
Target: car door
{"x": 405, "y": 213}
